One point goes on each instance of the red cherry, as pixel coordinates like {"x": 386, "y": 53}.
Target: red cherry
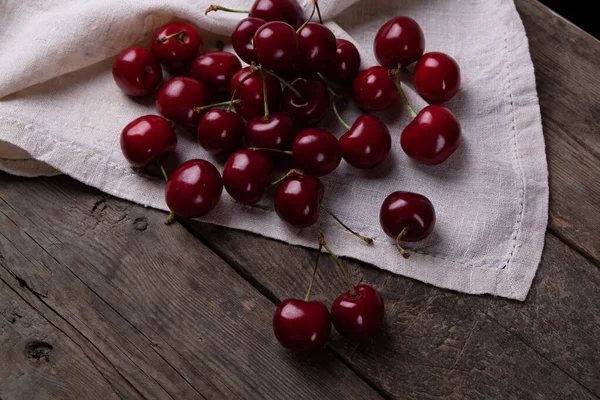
{"x": 137, "y": 72}
{"x": 317, "y": 152}
{"x": 220, "y": 130}
{"x": 246, "y": 175}
{"x": 250, "y": 92}
{"x": 313, "y": 104}
{"x": 317, "y": 47}
{"x": 193, "y": 189}
{"x": 275, "y": 133}
{"x": 345, "y": 64}
{"x": 400, "y": 41}
{"x": 367, "y": 143}
{"x": 360, "y": 316}
{"x": 288, "y": 11}
{"x": 276, "y": 46}
{"x": 297, "y": 200}
{"x": 432, "y": 136}
{"x": 146, "y": 138}
{"x": 243, "y": 37}
{"x": 215, "y": 70}
{"x": 374, "y": 90}
{"x": 437, "y": 77}
{"x": 176, "y": 44}
{"x": 177, "y": 98}
{"x": 301, "y": 325}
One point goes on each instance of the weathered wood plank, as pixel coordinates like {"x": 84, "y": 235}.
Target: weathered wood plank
{"x": 166, "y": 312}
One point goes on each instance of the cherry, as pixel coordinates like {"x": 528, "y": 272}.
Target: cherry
{"x": 317, "y": 47}
{"x": 246, "y": 175}
{"x": 146, "y": 138}
{"x": 437, "y": 77}
{"x": 215, "y": 70}
{"x": 277, "y": 132}
{"x": 243, "y": 37}
{"x": 177, "y": 98}
{"x": 345, "y": 64}
{"x": 301, "y": 325}
{"x": 137, "y": 72}
{"x": 298, "y": 198}
{"x": 310, "y": 107}
{"x": 220, "y": 130}
{"x": 176, "y": 44}
{"x": 432, "y": 136}
{"x": 250, "y": 92}
{"x": 407, "y": 216}
{"x": 373, "y": 89}
{"x": 288, "y": 11}
{"x": 366, "y": 143}
{"x": 399, "y": 42}
{"x": 317, "y": 152}
{"x": 276, "y": 46}
{"x": 358, "y": 316}
{"x": 193, "y": 189}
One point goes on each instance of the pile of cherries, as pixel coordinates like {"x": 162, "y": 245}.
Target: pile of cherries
{"x": 297, "y": 72}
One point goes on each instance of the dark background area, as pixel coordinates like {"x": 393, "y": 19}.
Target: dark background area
{"x": 579, "y": 12}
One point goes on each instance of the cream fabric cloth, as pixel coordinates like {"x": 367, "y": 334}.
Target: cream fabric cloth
{"x": 59, "y": 104}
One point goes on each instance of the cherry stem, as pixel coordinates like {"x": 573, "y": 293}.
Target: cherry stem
{"x": 316, "y": 5}
{"x": 164, "y": 173}
{"x": 265, "y": 99}
{"x": 290, "y": 173}
{"x": 252, "y": 71}
{"x": 404, "y": 253}
{"x": 309, "y": 18}
{"x": 170, "y": 219}
{"x": 394, "y": 75}
{"x": 223, "y": 103}
{"x": 337, "y": 114}
{"x": 338, "y": 263}
{"x": 286, "y": 83}
{"x": 312, "y": 278}
{"x": 216, "y": 7}
{"x": 366, "y": 239}
{"x": 288, "y": 152}
{"x": 180, "y": 35}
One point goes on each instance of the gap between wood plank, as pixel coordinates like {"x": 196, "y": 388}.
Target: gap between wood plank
{"x": 573, "y": 246}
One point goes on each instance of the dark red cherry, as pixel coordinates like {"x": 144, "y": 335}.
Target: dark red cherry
{"x": 400, "y": 41}
{"x": 297, "y": 200}
{"x": 177, "y": 98}
{"x": 276, "y": 46}
{"x": 374, "y": 90}
{"x": 288, "y": 11}
{"x": 407, "y": 210}
{"x": 137, "y": 72}
{"x": 345, "y": 64}
{"x": 220, "y": 130}
{"x": 243, "y": 37}
{"x": 317, "y": 152}
{"x": 317, "y": 48}
{"x": 437, "y": 77}
{"x": 246, "y": 175}
{"x": 358, "y": 317}
{"x": 250, "y": 92}
{"x": 367, "y": 143}
{"x": 432, "y": 136}
{"x": 193, "y": 189}
{"x": 146, "y": 138}
{"x": 275, "y": 133}
{"x": 301, "y": 325}
{"x": 313, "y": 104}
{"x": 215, "y": 70}
{"x": 176, "y": 44}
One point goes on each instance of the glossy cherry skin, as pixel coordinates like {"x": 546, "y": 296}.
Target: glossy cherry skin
{"x": 215, "y": 70}
{"x": 400, "y": 41}
{"x": 433, "y": 136}
{"x": 298, "y": 199}
{"x": 250, "y": 92}
{"x": 177, "y": 98}
{"x": 275, "y": 133}
{"x": 288, "y": 11}
{"x": 437, "y": 77}
{"x": 358, "y": 317}
{"x": 243, "y": 37}
{"x": 406, "y": 209}
{"x": 316, "y": 151}
{"x": 317, "y": 48}
{"x": 146, "y": 138}
{"x": 374, "y": 90}
{"x": 220, "y": 130}
{"x": 193, "y": 189}
{"x": 246, "y": 175}
{"x": 345, "y": 64}
{"x": 312, "y": 106}
{"x": 137, "y": 72}
{"x": 367, "y": 143}
{"x": 276, "y": 46}
{"x": 301, "y": 325}
{"x": 178, "y": 51}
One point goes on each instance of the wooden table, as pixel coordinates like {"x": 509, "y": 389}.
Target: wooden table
{"x": 100, "y": 300}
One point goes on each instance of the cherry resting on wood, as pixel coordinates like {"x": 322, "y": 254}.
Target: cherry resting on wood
{"x": 220, "y": 130}
{"x": 246, "y": 175}
{"x": 358, "y": 317}
{"x": 176, "y": 44}
{"x": 177, "y": 98}
{"x": 399, "y": 42}
{"x": 301, "y": 325}
{"x": 146, "y": 138}
{"x": 215, "y": 70}
{"x": 373, "y": 89}
{"x": 345, "y": 64}
{"x": 250, "y": 92}
{"x": 137, "y": 72}
{"x": 437, "y": 77}
{"x": 243, "y": 37}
